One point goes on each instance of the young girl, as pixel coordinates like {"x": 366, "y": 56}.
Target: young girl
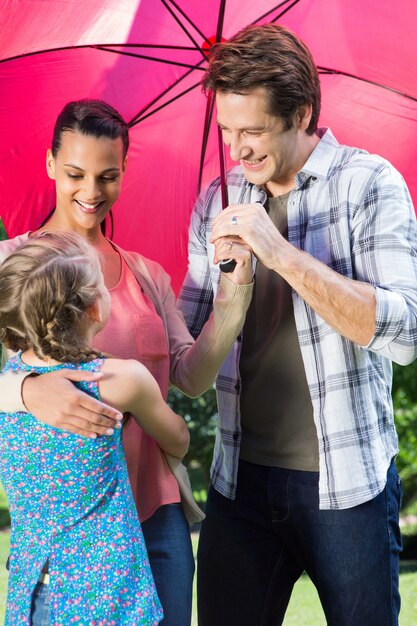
{"x": 70, "y": 501}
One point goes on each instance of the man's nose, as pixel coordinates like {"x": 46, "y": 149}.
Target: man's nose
{"x": 238, "y": 149}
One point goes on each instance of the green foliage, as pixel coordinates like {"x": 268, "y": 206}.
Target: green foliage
{"x": 201, "y": 417}
{"x": 405, "y": 407}
{"x": 3, "y": 234}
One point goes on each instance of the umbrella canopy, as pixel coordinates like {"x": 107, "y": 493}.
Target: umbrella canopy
{"x": 146, "y": 58}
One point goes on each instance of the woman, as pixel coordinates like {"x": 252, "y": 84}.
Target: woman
{"x": 87, "y": 161}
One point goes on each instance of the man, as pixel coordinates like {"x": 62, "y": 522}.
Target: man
{"x": 303, "y": 476}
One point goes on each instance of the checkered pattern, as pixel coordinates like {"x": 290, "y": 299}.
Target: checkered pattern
{"x": 352, "y": 211}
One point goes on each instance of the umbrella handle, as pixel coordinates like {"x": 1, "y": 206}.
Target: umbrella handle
{"x": 227, "y": 265}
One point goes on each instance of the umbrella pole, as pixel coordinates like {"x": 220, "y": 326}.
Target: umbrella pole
{"x": 228, "y": 265}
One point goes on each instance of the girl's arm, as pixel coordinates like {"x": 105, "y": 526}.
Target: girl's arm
{"x": 130, "y": 387}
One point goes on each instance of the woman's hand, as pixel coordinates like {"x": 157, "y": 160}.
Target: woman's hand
{"x": 53, "y": 399}
{"x": 234, "y": 248}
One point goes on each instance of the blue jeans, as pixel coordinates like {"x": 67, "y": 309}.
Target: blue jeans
{"x": 252, "y": 551}
{"x": 39, "y": 613}
{"x": 168, "y": 541}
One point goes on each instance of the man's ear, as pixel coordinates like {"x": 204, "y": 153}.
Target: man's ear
{"x": 50, "y": 164}
{"x": 303, "y": 116}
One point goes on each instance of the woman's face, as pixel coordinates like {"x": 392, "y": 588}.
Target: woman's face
{"x": 88, "y": 173}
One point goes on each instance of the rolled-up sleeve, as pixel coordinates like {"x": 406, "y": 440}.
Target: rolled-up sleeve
{"x": 385, "y": 254}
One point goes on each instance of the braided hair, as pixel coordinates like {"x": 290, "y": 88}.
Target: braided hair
{"x": 46, "y": 288}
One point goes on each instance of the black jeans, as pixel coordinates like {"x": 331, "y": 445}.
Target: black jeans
{"x": 252, "y": 551}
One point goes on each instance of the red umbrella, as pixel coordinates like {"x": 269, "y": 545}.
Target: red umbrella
{"x": 146, "y": 57}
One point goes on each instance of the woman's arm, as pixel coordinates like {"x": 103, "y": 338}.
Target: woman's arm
{"x": 130, "y": 387}
{"x": 194, "y": 364}
{"x": 52, "y": 398}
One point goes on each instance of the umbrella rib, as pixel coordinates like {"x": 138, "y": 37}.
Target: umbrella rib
{"x": 106, "y": 47}
{"x": 278, "y": 6}
{"x": 328, "y": 70}
{"x": 163, "y": 93}
{"x": 137, "y": 119}
{"x": 148, "y": 58}
{"x": 145, "y": 45}
{"x": 182, "y": 26}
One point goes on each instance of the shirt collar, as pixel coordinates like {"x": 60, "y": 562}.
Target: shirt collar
{"x": 320, "y": 161}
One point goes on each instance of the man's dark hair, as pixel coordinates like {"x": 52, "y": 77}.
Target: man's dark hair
{"x": 272, "y": 57}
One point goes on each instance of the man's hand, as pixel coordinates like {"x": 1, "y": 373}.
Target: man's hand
{"x": 52, "y": 398}
{"x": 251, "y": 223}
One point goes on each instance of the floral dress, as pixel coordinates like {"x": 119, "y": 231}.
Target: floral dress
{"x": 71, "y": 504}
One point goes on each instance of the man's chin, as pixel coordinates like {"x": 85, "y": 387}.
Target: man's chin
{"x": 256, "y": 178}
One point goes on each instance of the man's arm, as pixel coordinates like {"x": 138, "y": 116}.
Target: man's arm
{"x": 348, "y": 306}
{"x": 195, "y": 299}
{"x": 379, "y": 309}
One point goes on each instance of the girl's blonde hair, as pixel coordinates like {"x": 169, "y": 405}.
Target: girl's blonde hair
{"x": 46, "y": 287}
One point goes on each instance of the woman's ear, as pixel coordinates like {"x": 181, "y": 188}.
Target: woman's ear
{"x": 50, "y": 164}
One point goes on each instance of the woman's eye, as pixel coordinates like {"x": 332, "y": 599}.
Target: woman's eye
{"x": 109, "y": 179}
{"x": 74, "y": 176}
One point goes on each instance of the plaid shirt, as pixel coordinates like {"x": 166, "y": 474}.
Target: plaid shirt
{"x": 352, "y": 211}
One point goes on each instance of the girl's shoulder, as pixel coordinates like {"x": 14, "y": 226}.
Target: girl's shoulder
{"x": 123, "y": 380}
{"x": 7, "y": 246}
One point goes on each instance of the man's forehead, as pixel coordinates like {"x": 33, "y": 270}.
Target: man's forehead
{"x": 249, "y": 109}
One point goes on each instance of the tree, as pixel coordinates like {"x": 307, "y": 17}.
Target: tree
{"x": 404, "y": 395}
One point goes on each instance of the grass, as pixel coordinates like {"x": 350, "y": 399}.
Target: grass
{"x": 4, "y": 551}
{"x": 304, "y": 608}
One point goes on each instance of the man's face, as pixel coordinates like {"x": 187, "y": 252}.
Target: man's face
{"x": 269, "y": 154}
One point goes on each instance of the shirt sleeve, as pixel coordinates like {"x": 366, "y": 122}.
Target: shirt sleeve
{"x": 11, "y": 391}
{"x": 195, "y": 299}
{"x": 385, "y": 255}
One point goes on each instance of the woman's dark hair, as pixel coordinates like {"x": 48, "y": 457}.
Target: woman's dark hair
{"x": 90, "y": 117}
{"x": 272, "y": 57}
